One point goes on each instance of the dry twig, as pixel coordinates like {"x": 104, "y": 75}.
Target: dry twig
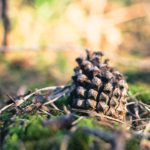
{"x": 19, "y": 100}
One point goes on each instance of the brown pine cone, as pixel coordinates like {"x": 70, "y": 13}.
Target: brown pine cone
{"x": 99, "y": 87}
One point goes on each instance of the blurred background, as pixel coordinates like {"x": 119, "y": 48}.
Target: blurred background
{"x": 40, "y": 40}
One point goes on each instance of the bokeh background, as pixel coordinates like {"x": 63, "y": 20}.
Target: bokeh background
{"x": 45, "y": 37}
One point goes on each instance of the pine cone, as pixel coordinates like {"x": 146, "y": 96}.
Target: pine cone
{"x": 99, "y": 87}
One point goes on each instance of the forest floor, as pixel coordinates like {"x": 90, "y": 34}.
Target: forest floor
{"x": 60, "y": 128}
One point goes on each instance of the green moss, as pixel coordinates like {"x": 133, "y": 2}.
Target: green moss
{"x": 52, "y": 142}
{"x": 26, "y": 131}
{"x": 136, "y": 88}
{"x": 80, "y": 141}
{"x": 5, "y": 116}
{"x": 62, "y": 101}
{"x": 141, "y": 91}
{"x": 35, "y": 129}
{"x": 29, "y": 130}
{"x": 133, "y": 144}
{"x": 18, "y": 129}
{"x": 83, "y": 141}
{"x": 11, "y": 143}
{"x": 87, "y": 122}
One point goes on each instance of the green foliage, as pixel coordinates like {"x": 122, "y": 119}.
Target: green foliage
{"x": 43, "y": 144}
{"x": 5, "y": 116}
{"x": 144, "y": 97}
{"x": 62, "y": 101}
{"x": 87, "y": 122}
{"x": 35, "y": 129}
{"x": 29, "y": 130}
{"x": 133, "y": 144}
{"x": 134, "y": 88}
{"x": 11, "y": 143}
{"x": 25, "y": 128}
{"x": 141, "y": 92}
{"x": 80, "y": 141}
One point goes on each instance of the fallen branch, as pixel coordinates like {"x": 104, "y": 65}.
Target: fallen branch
{"x": 6, "y": 107}
{"x": 19, "y": 100}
